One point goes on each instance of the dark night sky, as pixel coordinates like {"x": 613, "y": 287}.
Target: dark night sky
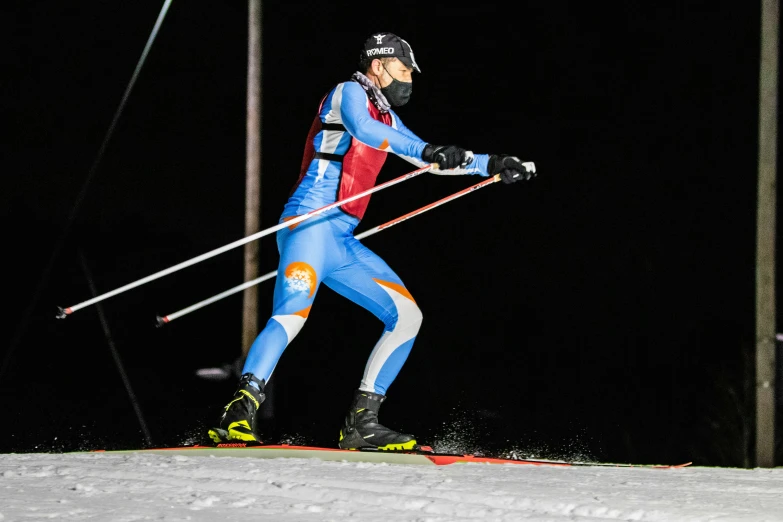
{"x": 604, "y": 308}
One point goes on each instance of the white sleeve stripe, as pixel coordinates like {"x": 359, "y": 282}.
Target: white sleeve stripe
{"x": 330, "y": 140}
{"x": 333, "y": 116}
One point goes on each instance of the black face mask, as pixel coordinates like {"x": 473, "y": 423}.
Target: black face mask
{"x": 398, "y": 93}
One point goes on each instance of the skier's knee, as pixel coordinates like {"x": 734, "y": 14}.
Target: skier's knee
{"x": 292, "y": 323}
{"x": 410, "y": 317}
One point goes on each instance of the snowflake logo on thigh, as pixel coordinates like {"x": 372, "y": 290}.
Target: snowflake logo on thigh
{"x": 300, "y": 277}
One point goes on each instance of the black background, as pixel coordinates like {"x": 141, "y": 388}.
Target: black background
{"x": 605, "y": 309}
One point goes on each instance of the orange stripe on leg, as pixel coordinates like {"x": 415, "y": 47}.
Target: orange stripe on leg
{"x": 304, "y": 313}
{"x": 396, "y": 287}
{"x": 289, "y": 218}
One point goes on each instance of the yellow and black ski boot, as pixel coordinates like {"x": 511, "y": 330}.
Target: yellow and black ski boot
{"x": 238, "y": 422}
{"x": 361, "y": 429}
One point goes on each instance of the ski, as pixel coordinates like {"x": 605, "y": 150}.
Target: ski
{"x": 429, "y": 451}
{"x": 422, "y": 455}
{"x": 612, "y": 464}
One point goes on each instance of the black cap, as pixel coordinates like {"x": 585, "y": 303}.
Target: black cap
{"x": 389, "y": 45}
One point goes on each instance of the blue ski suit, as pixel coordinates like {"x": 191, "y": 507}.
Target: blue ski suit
{"x": 344, "y": 151}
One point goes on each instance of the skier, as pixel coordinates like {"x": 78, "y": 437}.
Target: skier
{"x": 348, "y": 141}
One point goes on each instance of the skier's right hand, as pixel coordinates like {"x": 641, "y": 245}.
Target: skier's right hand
{"x": 446, "y": 156}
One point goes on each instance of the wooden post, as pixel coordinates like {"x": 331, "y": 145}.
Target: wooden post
{"x": 252, "y": 173}
{"x": 765, "y": 238}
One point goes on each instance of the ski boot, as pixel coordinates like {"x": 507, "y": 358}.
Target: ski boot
{"x": 361, "y": 429}
{"x": 238, "y": 422}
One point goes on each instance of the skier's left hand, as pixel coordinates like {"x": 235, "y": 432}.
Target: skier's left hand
{"x": 510, "y": 168}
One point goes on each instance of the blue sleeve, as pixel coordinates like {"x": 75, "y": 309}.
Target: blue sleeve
{"x": 359, "y": 124}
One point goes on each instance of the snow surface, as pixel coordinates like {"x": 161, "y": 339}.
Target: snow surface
{"x": 130, "y": 487}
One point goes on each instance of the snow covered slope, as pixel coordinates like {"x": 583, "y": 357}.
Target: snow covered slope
{"x": 131, "y": 487}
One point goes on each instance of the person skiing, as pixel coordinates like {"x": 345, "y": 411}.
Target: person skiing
{"x": 352, "y": 133}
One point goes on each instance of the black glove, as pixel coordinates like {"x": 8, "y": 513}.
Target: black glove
{"x": 510, "y": 168}
{"x": 446, "y": 156}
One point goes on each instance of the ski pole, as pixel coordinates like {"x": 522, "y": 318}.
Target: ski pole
{"x": 367, "y": 233}
{"x": 65, "y": 312}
